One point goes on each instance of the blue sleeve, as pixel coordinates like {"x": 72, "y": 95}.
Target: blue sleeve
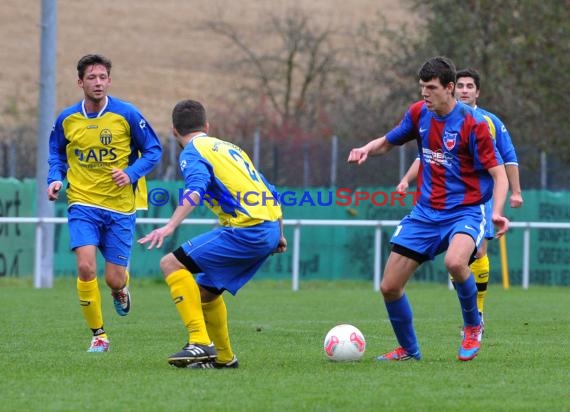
{"x": 271, "y": 188}
{"x": 504, "y": 142}
{"x": 196, "y": 170}
{"x": 148, "y": 149}
{"x": 57, "y": 158}
{"x": 404, "y": 132}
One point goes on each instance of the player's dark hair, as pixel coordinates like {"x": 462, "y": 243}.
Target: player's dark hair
{"x": 439, "y": 67}
{"x": 189, "y": 116}
{"x": 90, "y": 60}
{"x": 470, "y": 72}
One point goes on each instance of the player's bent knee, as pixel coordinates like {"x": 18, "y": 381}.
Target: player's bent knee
{"x": 86, "y": 271}
{"x": 390, "y": 292}
{"x": 454, "y": 265}
{"x": 169, "y": 264}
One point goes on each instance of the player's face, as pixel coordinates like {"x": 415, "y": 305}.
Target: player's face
{"x": 95, "y": 83}
{"x": 466, "y": 91}
{"x": 437, "y": 97}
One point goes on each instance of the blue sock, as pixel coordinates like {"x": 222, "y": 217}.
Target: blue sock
{"x": 400, "y": 315}
{"x": 467, "y": 294}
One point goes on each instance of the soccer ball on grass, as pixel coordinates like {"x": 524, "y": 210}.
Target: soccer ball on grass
{"x": 344, "y": 343}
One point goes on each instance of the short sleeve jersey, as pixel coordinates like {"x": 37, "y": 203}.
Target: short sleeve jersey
{"x": 456, "y": 151}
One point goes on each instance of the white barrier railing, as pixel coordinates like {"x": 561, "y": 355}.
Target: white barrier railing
{"x": 297, "y": 224}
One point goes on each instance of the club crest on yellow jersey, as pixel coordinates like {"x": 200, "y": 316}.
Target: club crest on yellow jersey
{"x": 106, "y": 137}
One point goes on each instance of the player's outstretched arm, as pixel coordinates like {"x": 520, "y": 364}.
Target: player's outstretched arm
{"x": 375, "y": 147}
{"x": 157, "y": 236}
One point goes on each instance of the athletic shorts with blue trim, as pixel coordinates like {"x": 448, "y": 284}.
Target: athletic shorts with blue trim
{"x": 230, "y": 256}
{"x": 110, "y": 231}
{"x": 428, "y": 232}
{"x": 489, "y": 226}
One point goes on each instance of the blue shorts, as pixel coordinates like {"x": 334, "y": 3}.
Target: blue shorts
{"x": 489, "y": 226}
{"x": 111, "y": 232}
{"x": 230, "y": 256}
{"x": 428, "y": 231}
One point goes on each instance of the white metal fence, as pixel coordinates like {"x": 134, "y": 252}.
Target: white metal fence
{"x": 297, "y": 225}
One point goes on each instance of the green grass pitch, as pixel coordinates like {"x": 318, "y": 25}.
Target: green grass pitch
{"x": 524, "y": 364}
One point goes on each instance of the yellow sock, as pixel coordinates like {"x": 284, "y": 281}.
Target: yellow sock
{"x": 128, "y": 277}
{"x": 186, "y": 296}
{"x": 90, "y": 301}
{"x": 480, "y": 269}
{"x": 216, "y": 317}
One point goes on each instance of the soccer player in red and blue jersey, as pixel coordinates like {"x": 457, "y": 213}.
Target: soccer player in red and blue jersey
{"x": 104, "y": 147}
{"x": 467, "y": 89}
{"x": 460, "y": 170}
{"x": 221, "y": 176}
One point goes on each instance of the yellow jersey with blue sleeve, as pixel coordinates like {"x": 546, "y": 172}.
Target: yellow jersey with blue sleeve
{"x": 506, "y": 149}
{"x": 502, "y": 137}
{"x": 86, "y": 147}
{"x": 224, "y": 177}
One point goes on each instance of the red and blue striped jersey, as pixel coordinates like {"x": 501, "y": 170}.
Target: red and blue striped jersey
{"x": 456, "y": 150}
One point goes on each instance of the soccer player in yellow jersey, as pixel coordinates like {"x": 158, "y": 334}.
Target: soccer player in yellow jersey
{"x": 467, "y": 90}
{"x": 220, "y": 175}
{"x": 104, "y": 147}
